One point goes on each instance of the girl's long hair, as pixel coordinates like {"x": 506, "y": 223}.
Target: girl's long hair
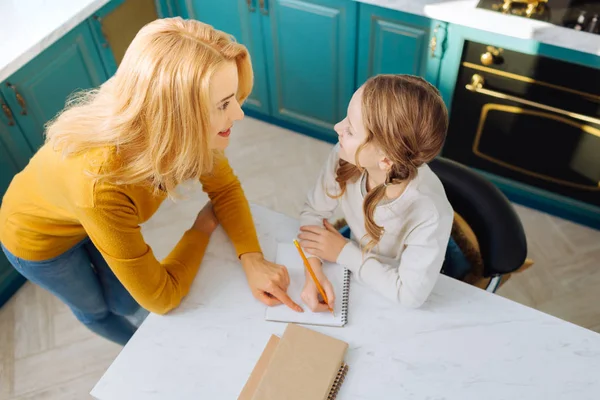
{"x": 406, "y": 118}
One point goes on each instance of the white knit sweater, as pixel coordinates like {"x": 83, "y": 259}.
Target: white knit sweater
{"x": 404, "y": 266}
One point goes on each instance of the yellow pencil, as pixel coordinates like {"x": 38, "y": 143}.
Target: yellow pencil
{"x": 314, "y": 277}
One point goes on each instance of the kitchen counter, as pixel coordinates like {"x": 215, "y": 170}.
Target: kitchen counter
{"x": 464, "y": 12}
{"x": 29, "y": 27}
{"x": 32, "y": 26}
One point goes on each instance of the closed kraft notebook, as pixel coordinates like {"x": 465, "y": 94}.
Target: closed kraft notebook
{"x": 288, "y": 255}
{"x": 302, "y": 365}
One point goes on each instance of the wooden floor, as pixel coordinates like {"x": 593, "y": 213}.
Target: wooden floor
{"x": 46, "y": 354}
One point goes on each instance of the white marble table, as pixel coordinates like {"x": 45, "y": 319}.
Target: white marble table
{"x": 463, "y": 344}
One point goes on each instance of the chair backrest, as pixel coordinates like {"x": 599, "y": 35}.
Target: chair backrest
{"x": 488, "y": 212}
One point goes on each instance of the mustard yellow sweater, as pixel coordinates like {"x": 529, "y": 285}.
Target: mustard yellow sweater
{"x": 54, "y": 203}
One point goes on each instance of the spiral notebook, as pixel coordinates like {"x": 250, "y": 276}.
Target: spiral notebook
{"x": 301, "y": 365}
{"x": 288, "y": 255}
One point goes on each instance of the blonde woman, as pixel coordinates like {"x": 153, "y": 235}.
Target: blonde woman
{"x": 70, "y": 221}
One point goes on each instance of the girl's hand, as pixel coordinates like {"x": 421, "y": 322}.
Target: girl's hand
{"x": 310, "y": 294}
{"x": 326, "y": 243}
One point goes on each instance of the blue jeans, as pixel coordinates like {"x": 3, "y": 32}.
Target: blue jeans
{"x": 83, "y": 280}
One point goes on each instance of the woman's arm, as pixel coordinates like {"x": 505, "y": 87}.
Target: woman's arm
{"x": 268, "y": 281}
{"x": 112, "y": 225}
{"x": 231, "y": 206}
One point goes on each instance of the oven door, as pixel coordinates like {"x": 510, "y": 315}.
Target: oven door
{"x": 536, "y": 134}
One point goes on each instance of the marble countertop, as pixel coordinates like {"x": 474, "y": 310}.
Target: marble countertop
{"x": 464, "y": 12}
{"x": 463, "y": 344}
{"x": 28, "y": 27}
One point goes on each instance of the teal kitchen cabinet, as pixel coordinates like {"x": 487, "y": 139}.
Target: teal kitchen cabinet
{"x": 115, "y": 25}
{"x": 14, "y": 149}
{"x": 311, "y": 57}
{"x": 10, "y": 279}
{"x": 303, "y": 54}
{"x": 14, "y": 155}
{"x": 243, "y": 21}
{"x": 38, "y": 91}
{"x": 393, "y": 42}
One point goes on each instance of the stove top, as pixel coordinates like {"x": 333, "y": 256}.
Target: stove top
{"x": 581, "y": 15}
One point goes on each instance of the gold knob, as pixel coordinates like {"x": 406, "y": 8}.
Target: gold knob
{"x": 9, "y": 114}
{"x": 477, "y": 82}
{"x": 491, "y": 56}
{"x": 487, "y": 58}
{"x": 19, "y": 98}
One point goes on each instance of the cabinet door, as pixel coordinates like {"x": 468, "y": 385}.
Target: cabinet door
{"x": 240, "y": 19}
{"x": 115, "y": 25}
{"x": 392, "y": 42}
{"x": 12, "y": 154}
{"x": 15, "y": 149}
{"x": 311, "y": 49}
{"x": 38, "y": 91}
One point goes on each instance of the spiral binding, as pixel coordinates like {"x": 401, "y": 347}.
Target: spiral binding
{"x": 345, "y": 294}
{"x": 337, "y": 383}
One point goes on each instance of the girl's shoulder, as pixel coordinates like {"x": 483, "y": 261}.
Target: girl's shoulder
{"x": 426, "y": 194}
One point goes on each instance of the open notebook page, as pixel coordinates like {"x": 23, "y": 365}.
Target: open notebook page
{"x": 288, "y": 255}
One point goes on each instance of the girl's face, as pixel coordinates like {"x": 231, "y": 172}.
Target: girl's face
{"x": 351, "y": 134}
{"x": 225, "y": 108}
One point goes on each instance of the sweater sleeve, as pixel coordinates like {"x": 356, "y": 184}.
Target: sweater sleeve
{"x": 319, "y": 204}
{"x": 112, "y": 225}
{"x": 411, "y": 281}
{"x": 231, "y": 206}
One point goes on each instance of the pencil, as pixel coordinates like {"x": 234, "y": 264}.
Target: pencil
{"x": 313, "y": 276}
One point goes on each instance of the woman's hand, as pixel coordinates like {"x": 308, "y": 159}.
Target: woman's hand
{"x": 326, "y": 243}
{"x": 311, "y": 295}
{"x": 206, "y": 221}
{"x": 268, "y": 281}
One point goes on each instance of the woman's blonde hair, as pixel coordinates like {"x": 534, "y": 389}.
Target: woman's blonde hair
{"x": 155, "y": 111}
{"x": 407, "y": 119}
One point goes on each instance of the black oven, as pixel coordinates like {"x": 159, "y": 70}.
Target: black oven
{"x": 530, "y": 119}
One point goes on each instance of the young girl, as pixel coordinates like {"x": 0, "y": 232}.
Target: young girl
{"x": 395, "y": 206}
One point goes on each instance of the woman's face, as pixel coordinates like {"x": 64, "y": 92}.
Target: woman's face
{"x": 225, "y": 108}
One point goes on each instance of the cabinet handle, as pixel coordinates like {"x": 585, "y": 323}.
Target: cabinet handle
{"x": 263, "y": 8}
{"x": 104, "y": 39}
{"x": 251, "y": 8}
{"x": 477, "y": 86}
{"x": 9, "y": 114}
{"x": 491, "y": 56}
{"x": 434, "y": 41}
{"x": 20, "y": 98}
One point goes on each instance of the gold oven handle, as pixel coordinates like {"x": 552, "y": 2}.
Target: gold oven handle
{"x": 477, "y": 83}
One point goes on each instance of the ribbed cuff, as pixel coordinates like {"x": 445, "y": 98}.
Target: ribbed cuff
{"x": 248, "y": 246}
{"x": 351, "y": 257}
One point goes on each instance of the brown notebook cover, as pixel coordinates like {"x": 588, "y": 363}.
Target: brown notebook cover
{"x": 302, "y": 365}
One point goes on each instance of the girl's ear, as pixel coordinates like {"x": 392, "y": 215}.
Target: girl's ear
{"x": 385, "y": 164}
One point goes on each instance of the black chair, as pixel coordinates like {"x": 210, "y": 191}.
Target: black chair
{"x": 491, "y": 217}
